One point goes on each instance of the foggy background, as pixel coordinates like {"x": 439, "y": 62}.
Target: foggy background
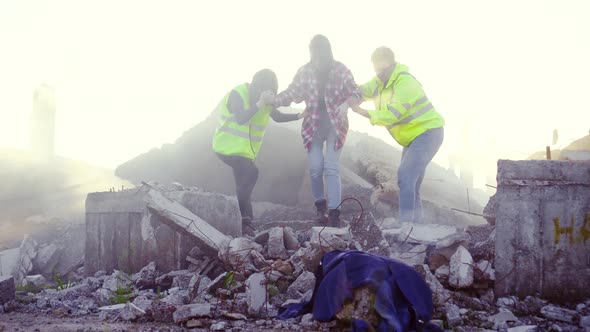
{"x": 130, "y": 76}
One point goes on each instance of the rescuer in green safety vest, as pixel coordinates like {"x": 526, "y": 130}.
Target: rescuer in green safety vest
{"x": 402, "y": 107}
{"x": 239, "y": 134}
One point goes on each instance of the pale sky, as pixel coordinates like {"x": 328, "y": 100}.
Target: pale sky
{"x": 133, "y": 75}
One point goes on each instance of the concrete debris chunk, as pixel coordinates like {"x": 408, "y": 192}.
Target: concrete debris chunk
{"x": 524, "y": 328}
{"x": 486, "y": 270}
{"x": 302, "y": 284}
{"x": 117, "y": 280}
{"x": 24, "y": 264}
{"x": 461, "y": 269}
{"x": 242, "y": 254}
{"x": 8, "y": 260}
{"x": 276, "y": 244}
{"x": 131, "y": 312}
{"x": 187, "y": 312}
{"x": 290, "y": 239}
{"x": 146, "y": 277}
{"x": 560, "y": 314}
{"x": 329, "y": 238}
{"x": 410, "y": 254}
{"x": 439, "y": 294}
{"x": 162, "y": 311}
{"x": 453, "y": 315}
{"x": 425, "y": 234}
{"x": 256, "y": 293}
{"x": 501, "y": 319}
{"x": 7, "y": 289}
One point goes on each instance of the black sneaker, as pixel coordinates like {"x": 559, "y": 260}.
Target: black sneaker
{"x": 321, "y": 208}
{"x": 248, "y": 227}
{"x": 334, "y": 218}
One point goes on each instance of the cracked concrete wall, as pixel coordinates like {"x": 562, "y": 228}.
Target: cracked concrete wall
{"x": 543, "y": 229}
{"x": 122, "y": 234}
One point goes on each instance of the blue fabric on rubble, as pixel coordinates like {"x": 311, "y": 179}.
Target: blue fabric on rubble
{"x": 402, "y": 300}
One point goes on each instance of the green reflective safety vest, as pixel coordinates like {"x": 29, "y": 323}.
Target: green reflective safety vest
{"x": 233, "y": 139}
{"x": 401, "y": 106}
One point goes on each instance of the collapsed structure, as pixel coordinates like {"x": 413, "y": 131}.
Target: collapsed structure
{"x": 174, "y": 254}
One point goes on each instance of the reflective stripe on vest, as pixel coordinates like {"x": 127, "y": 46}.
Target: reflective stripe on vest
{"x": 242, "y": 134}
{"x": 414, "y": 115}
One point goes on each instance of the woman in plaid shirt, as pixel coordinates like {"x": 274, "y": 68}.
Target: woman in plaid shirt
{"x": 327, "y": 87}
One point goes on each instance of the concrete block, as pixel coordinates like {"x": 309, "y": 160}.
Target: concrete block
{"x": 543, "y": 229}
{"x": 7, "y": 289}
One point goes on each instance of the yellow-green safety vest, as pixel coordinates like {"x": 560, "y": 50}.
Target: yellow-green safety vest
{"x": 401, "y": 106}
{"x": 233, "y": 139}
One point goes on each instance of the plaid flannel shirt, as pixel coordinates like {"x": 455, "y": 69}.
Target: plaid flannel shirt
{"x": 340, "y": 87}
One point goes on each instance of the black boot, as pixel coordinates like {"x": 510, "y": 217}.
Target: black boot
{"x": 248, "y": 227}
{"x": 334, "y": 218}
{"x": 321, "y": 208}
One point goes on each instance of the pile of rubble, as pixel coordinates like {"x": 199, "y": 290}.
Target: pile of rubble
{"x": 245, "y": 284}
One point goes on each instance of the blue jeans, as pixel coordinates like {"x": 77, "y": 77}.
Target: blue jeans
{"x": 325, "y": 165}
{"x": 411, "y": 171}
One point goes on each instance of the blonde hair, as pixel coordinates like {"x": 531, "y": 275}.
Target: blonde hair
{"x": 383, "y": 53}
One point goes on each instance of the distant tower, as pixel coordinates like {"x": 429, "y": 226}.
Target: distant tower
{"x": 42, "y": 131}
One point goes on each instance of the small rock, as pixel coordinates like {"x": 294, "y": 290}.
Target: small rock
{"x": 524, "y": 328}
{"x": 193, "y": 323}
{"x": 580, "y": 307}
{"x": 306, "y": 259}
{"x": 307, "y": 320}
{"x": 221, "y": 326}
{"x": 485, "y": 267}
{"x": 442, "y": 272}
{"x": 234, "y": 316}
{"x": 585, "y": 322}
{"x": 117, "y": 280}
{"x": 36, "y": 280}
{"x": 131, "y": 312}
{"x": 100, "y": 274}
{"x": 453, "y": 315}
{"x": 302, "y": 284}
{"x": 143, "y": 303}
{"x": 560, "y": 314}
{"x": 283, "y": 267}
{"x": 507, "y": 302}
{"x": 115, "y": 307}
{"x": 439, "y": 294}
{"x": 501, "y": 319}
{"x": 146, "y": 277}
{"x": 242, "y": 254}
{"x": 187, "y": 312}
{"x": 7, "y": 289}
{"x": 461, "y": 269}
{"x": 162, "y": 311}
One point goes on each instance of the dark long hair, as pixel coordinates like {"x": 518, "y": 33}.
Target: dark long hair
{"x": 322, "y": 59}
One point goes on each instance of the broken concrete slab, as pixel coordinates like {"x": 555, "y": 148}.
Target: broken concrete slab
{"x": 146, "y": 277}
{"x": 117, "y": 280}
{"x": 329, "y": 238}
{"x": 256, "y": 293}
{"x": 486, "y": 270}
{"x": 24, "y": 264}
{"x": 220, "y": 211}
{"x": 276, "y": 244}
{"x": 425, "y": 234}
{"x": 461, "y": 269}
{"x": 8, "y": 261}
{"x": 47, "y": 258}
{"x": 410, "y": 254}
{"x": 7, "y": 289}
{"x": 189, "y": 311}
{"x": 560, "y": 314}
{"x": 183, "y": 220}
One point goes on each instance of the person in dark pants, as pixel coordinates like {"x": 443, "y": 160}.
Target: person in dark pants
{"x": 239, "y": 134}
